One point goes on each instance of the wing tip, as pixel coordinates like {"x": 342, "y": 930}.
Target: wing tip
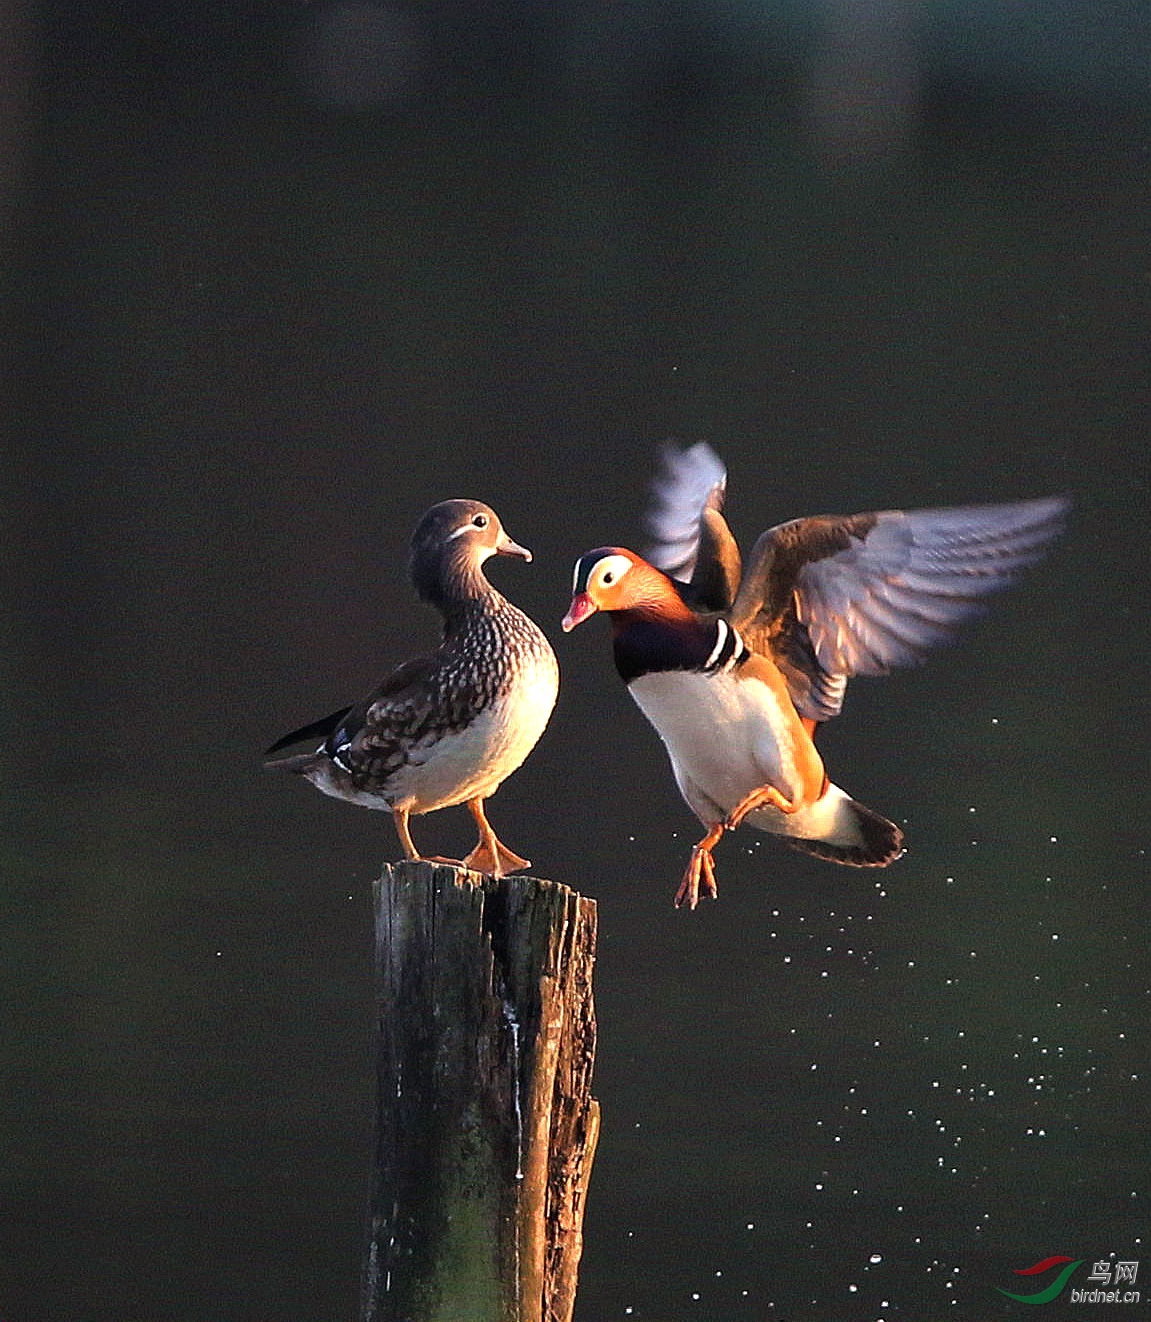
{"x": 688, "y": 480}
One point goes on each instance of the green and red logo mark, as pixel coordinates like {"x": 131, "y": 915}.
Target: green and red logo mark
{"x": 1103, "y": 1273}
{"x": 1056, "y": 1287}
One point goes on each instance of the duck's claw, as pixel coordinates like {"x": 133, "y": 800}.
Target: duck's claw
{"x": 700, "y": 872}
{"x": 489, "y": 855}
{"x": 495, "y": 859}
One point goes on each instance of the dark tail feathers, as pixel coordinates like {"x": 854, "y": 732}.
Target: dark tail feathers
{"x": 325, "y": 725}
{"x": 879, "y": 842}
{"x": 298, "y": 762}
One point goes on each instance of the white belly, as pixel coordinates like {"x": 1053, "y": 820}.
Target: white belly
{"x": 726, "y": 736}
{"x": 474, "y": 762}
{"x": 454, "y": 766}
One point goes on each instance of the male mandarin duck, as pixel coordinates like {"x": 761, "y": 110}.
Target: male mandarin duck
{"x": 736, "y": 669}
{"x": 450, "y": 727}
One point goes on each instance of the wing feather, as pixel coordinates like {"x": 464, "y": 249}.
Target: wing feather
{"x": 694, "y": 545}
{"x": 376, "y": 738}
{"x": 324, "y": 726}
{"x": 865, "y": 593}
{"x": 688, "y": 482}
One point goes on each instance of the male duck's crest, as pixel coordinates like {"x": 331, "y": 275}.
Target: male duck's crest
{"x": 653, "y": 627}
{"x": 618, "y": 581}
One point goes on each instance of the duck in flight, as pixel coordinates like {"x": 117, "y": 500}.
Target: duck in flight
{"x": 737, "y": 667}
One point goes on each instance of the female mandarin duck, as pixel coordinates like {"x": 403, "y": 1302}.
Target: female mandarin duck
{"x": 450, "y": 727}
{"x": 736, "y": 671}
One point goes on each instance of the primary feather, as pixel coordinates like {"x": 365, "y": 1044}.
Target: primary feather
{"x": 688, "y": 482}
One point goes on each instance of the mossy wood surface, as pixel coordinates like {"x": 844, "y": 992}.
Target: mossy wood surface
{"x": 486, "y": 1127}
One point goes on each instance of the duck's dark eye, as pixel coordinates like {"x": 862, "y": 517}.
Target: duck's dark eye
{"x": 608, "y": 579}
{"x": 480, "y": 521}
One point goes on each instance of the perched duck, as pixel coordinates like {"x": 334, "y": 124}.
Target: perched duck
{"x": 450, "y": 727}
{"x": 736, "y": 669}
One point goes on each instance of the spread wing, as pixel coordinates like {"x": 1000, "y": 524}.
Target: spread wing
{"x": 693, "y": 543}
{"x": 831, "y": 597}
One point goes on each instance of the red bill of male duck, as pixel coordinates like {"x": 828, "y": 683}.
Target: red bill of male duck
{"x": 450, "y": 727}
{"x": 736, "y": 668}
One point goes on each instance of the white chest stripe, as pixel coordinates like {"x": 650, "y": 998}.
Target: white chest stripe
{"x": 729, "y": 650}
{"x": 721, "y": 634}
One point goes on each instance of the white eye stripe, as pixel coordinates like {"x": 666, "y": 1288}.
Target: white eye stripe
{"x": 611, "y": 569}
{"x": 459, "y": 532}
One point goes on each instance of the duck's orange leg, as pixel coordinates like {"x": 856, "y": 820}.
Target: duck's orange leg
{"x": 489, "y": 855}
{"x": 400, "y": 817}
{"x": 700, "y": 873}
{"x": 766, "y": 794}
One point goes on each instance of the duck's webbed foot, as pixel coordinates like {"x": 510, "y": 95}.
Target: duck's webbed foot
{"x": 490, "y": 855}
{"x": 700, "y": 872}
{"x": 495, "y": 859}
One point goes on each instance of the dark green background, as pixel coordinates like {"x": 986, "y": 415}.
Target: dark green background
{"x": 278, "y": 277}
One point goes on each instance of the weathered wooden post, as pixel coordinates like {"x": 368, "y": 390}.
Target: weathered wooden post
{"x": 486, "y": 1127}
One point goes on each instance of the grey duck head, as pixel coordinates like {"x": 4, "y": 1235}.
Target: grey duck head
{"x": 449, "y": 546}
